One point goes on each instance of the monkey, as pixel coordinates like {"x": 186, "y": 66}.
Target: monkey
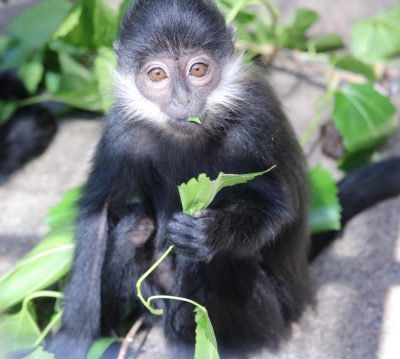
{"x": 245, "y": 258}
{"x": 29, "y": 131}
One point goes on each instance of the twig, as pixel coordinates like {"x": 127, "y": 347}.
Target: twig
{"x": 129, "y": 338}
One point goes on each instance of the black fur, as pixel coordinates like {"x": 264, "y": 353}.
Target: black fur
{"x": 245, "y": 259}
{"x": 27, "y": 134}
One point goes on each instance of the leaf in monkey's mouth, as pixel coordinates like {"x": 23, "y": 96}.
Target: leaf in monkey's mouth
{"x": 195, "y": 119}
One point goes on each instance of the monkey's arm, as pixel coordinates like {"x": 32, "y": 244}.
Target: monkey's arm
{"x": 239, "y": 224}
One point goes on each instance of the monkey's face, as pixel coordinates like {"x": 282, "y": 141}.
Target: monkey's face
{"x": 179, "y": 85}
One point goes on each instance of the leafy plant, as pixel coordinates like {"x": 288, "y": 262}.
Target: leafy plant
{"x": 377, "y": 38}
{"x": 66, "y": 59}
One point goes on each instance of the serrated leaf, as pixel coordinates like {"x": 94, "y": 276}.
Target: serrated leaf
{"x": 65, "y": 212}
{"x": 48, "y": 262}
{"x": 325, "y": 209}
{"x": 99, "y": 347}
{"x": 351, "y": 64}
{"x": 378, "y": 37}
{"x": 198, "y": 193}
{"x": 364, "y": 117}
{"x": 40, "y": 353}
{"x": 206, "y": 343}
{"x": 18, "y": 331}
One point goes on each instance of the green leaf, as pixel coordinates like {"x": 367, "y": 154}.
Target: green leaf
{"x": 35, "y": 25}
{"x": 351, "y": 64}
{"x": 4, "y": 43}
{"x": 293, "y": 35}
{"x": 91, "y": 24}
{"x": 31, "y": 74}
{"x": 198, "y": 193}
{"x": 327, "y": 42}
{"x": 86, "y": 98}
{"x": 40, "y": 353}
{"x": 18, "y": 331}
{"x": 64, "y": 213}
{"x": 206, "y": 343}
{"x": 195, "y": 119}
{"x": 325, "y": 210}
{"x": 48, "y": 262}
{"x": 104, "y": 64}
{"x": 52, "y": 81}
{"x": 99, "y": 347}
{"x": 364, "y": 117}
{"x": 379, "y": 37}
{"x": 105, "y": 24}
{"x": 7, "y": 110}
{"x": 304, "y": 19}
{"x": 70, "y": 22}
{"x": 74, "y": 74}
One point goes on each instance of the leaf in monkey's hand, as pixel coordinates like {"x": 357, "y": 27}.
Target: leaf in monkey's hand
{"x": 197, "y": 194}
{"x": 195, "y": 119}
{"x": 206, "y": 343}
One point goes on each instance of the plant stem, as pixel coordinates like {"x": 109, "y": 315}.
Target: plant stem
{"x": 53, "y": 321}
{"x": 235, "y": 10}
{"x": 145, "y": 302}
{"x": 274, "y": 14}
{"x": 170, "y": 297}
{"x": 35, "y": 100}
{"x": 56, "y": 318}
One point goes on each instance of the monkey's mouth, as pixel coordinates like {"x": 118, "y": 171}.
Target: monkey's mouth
{"x": 183, "y": 124}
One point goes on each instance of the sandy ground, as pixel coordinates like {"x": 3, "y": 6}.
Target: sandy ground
{"x": 357, "y": 281}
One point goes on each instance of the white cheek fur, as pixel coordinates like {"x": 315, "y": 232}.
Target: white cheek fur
{"x": 133, "y": 103}
{"x": 230, "y": 91}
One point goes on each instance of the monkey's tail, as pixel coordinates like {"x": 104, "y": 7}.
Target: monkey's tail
{"x": 27, "y": 133}
{"x": 360, "y": 190}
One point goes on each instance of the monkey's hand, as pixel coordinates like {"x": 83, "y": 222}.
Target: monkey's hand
{"x": 189, "y": 234}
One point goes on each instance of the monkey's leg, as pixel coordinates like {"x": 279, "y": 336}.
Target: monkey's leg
{"x": 129, "y": 255}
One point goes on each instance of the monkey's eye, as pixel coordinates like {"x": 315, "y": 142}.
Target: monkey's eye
{"x": 157, "y": 74}
{"x": 198, "y": 70}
